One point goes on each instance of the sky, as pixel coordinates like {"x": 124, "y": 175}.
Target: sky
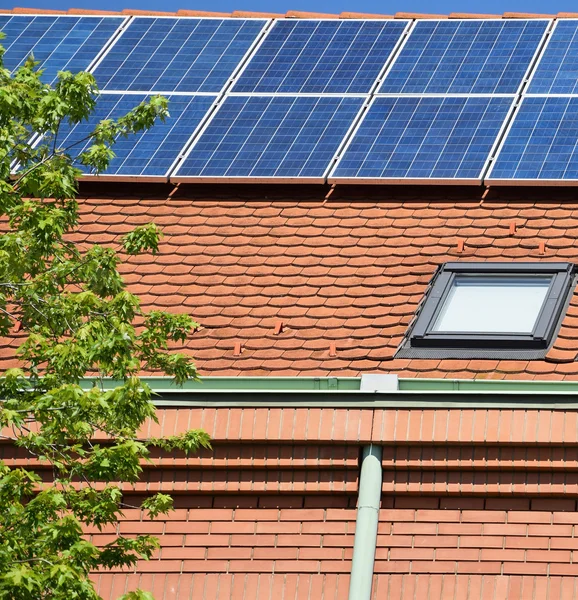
{"x": 330, "y": 6}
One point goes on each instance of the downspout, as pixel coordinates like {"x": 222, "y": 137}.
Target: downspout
{"x": 364, "y": 545}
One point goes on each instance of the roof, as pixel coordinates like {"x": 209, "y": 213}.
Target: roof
{"x": 291, "y": 280}
{"x": 291, "y": 14}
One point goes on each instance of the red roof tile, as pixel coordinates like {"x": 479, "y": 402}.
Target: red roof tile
{"x": 343, "y": 275}
{"x": 295, "y": 14}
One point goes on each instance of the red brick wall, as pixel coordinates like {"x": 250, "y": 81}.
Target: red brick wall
{"x": 474, "y": 587}
{"x": 477, "y": 504}
{"x": 478, "y": 536}
{"x": 478, "y": 548}
{"x": 243, "y": 547}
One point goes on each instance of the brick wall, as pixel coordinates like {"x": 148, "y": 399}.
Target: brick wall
{"x": 241, "y": 547}
{"x": 477, "y": 504}
{"x": 478, "y": 536}
{"x": 477, "y": 548}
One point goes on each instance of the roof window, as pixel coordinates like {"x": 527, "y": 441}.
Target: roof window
{"x": 496, "y": 310}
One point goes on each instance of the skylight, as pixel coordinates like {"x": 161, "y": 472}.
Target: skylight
{"x": 500, "y": 308}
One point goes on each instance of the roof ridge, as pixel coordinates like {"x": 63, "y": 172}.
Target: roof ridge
{"x": 291, "y": 14}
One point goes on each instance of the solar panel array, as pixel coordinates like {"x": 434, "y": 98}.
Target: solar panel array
{"x": 453, "y": 100}
{"x": 424, "y": 137}
{"x": 320, "y": 57}
{"x": 176, "y": 55}
{"x": 443, "y": 103}
{"x": 272, "y": 137}
{"x": 291, "y": 107}
{"x": 540, "y": 144}
{"x": 465, "y": 57}
{"x": 150, "y": 153}
{"x": 60, "y": 43}
{"x": 189, "y": 60}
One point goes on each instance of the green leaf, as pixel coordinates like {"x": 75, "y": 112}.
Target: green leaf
{"x": 67, "y": 301}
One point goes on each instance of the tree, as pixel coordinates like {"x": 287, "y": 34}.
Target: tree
{"x": 77, "y": 321}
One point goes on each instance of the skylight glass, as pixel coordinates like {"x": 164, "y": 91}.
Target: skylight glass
{"x": 493, "y": 305}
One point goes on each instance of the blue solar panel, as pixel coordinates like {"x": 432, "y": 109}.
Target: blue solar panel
{"x": 271, "y": 137}
{"x": 557, "y": 72}
{"x": 471, "y": 57}
{"x": 176, "y": 55}
{"x": 64, "y": 43}
{"x": 428, "y": 137}
{"x": 542, "y": 142}
{"x": 152, "y": 152}
{"x": 321, "y": 57}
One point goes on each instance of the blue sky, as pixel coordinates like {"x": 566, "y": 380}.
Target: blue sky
{"x": 331, "y": 6}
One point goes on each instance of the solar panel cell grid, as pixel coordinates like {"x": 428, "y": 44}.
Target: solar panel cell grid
{"x": 152, "y": 152}
{"x": 557, "y": 72}
{"x": 471, "y": 57}
{"x": 542, "y": 143}
{"x": 424, "y": 137}
{"x": 59, "y": 43}
{"x": 177, "y": 55}
{"x": 321, "y": 57}
{"x": 271, "y": 137}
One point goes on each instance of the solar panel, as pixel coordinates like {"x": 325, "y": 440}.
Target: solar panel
{"x": 271, "y": 137}
{"x": 542, "y": 143}
{"x": 150, "y": 153}
{"x": 556, "y": 72}
{"x": 329, "y": 56}
{"x": 424, "y": 138}
{"x": 177, "y": 55}
{"x": 63, "y": 43}
{"x": 469, "y": 56}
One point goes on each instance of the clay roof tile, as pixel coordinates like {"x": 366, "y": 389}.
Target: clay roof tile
{"x": 246, "y": 14}
{"x": 41, "y": 11}
{"x": 201, "y": 13}
{"x": 297, "y": 14}
{"x": 147, "y": 13}
{"x": 411, "y": 15}
{"x": 85, "y": 11}
{"x": 459, "y": 15}
{"x": 517, "y": 15}
{"x": 355, "y": 15}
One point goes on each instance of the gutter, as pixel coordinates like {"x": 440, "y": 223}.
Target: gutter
{"x": 371, "y": 391}
{"x": 352, "y": 384}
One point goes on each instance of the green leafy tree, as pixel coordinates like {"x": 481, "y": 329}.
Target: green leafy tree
{"x": 77, "y": 321}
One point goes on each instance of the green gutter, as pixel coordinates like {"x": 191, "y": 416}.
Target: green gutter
{"x": 495, "y": 385}
{"x": 162, "y": 384}
{"x": 342, "y": 384}
{"x": 345, "y": 392}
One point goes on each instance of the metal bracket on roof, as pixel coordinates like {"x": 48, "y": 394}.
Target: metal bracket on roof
{"x": 372, "y": 382}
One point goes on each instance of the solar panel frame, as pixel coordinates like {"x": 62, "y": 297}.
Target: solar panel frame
{"x": 557, "y": 24}
{"x": 175, "y": 177}
{"x": 122, "y": 21}
{"x": 266, "y": 23}
{"x": 271, "y": 31}
{"x": 141, "y": 177}
{"x": 407, "y": 40}
{"x": 341, "y": 179}
{"x": 490, "y": 180}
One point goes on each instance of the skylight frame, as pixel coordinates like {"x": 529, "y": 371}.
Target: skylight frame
{"x": 422, "y": 335}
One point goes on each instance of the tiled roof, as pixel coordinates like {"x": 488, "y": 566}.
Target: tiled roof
{"x": 288, "y": 282}
{"x": 291, "y": 14}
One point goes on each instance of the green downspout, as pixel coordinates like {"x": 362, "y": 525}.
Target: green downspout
{"x": 364, "y": 545}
